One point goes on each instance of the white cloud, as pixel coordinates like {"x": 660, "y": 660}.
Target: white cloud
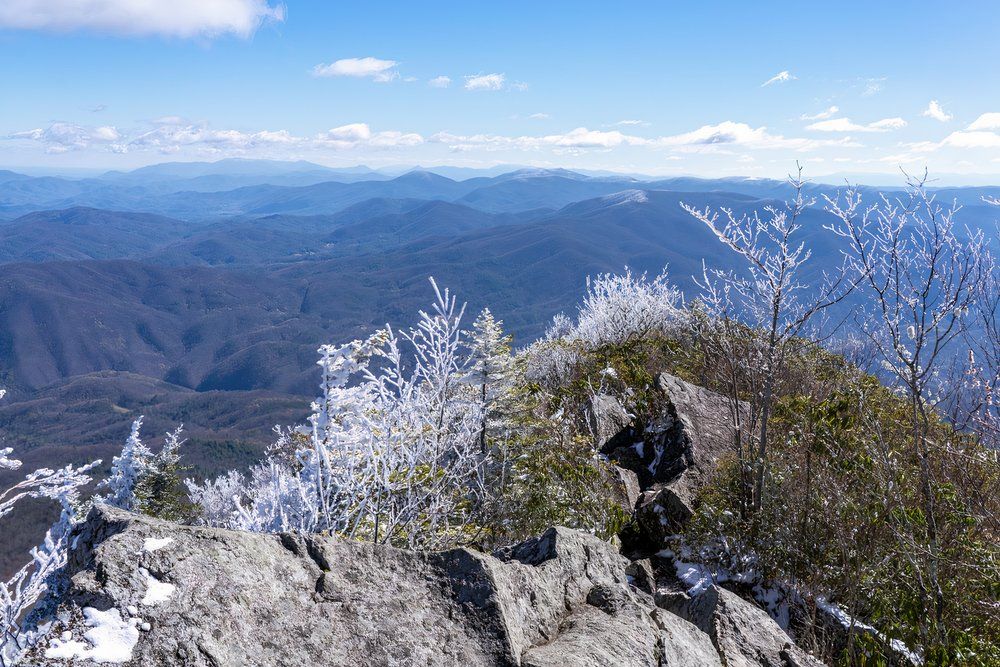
{"x": 169, "y": 120}
{"x": 708, "y": 138}
{"x": 171, "y": 134}
{"x": 485, "y": 81}
{"x": 63, "y": 137}
{"x": 359, "y": 135}
{"x": 847, "y": 125}
{"x": 379, "y": 70}
{"x": 935, "y": 111}
{"x": 983, "y": 133}
{"x": 987, "y": 121}
{"x": 631, "y": 123}
{"x": 581, "y": 137}
{"x": 439, "y": 82}
{"x": 352, "y": 132}
{"x": 832, "y": 111}
{"x": 177, "y": 18}
{"x": 729, "y": 133}
{"x": 538, "y": 116}
{"x": 887, "y": 124}
{"x": 977, "y": 139}
{"x": 781, "y": 77}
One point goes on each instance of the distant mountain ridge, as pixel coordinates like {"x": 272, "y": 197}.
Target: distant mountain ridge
{"x": 169, "y": 293}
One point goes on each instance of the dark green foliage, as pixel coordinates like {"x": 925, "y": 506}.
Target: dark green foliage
{"x": 843, "y": 515}
{"x": 161, "y": 493}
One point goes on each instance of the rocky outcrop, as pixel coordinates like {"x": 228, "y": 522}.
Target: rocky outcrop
{"x": 145, "y": 592}
{"x": 674, "y": 454}
{"x": 742, "y": 632}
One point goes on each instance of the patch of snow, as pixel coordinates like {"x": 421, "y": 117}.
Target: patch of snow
{"x": 110, "y": 639}
{"x": 626, "y": 197}
{"x": 639, "y": 447}
{"x": 658, "y": 455}
{"x": 848, "y": 621}
{"x": 151, "y": 544}
{"x": 156, "y": 591}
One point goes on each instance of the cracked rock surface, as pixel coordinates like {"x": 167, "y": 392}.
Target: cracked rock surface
{"x": 231, "y": 598}
{"x": 150, "y": 592}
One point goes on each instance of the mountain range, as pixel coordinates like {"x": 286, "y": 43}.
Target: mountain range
{"x": 200, "y": 292}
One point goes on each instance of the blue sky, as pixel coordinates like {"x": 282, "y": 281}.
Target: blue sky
{"x": 658, "y": 88}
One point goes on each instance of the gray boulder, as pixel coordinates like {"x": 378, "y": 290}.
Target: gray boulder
{"x": 606, "y": 418}
{"x": 675, "y": 455}
{"x": 149, "y": 592}
{"x": 743, "y": 634}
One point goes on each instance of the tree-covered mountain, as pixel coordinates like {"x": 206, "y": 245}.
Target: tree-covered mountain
{"x": 233, "y": 290}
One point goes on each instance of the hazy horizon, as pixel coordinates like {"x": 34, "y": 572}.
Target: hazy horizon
{"x": 693, "y": 91}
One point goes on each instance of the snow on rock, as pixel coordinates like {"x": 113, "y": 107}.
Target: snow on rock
{"x": 110, "y": 639}
{"x": 151, "y": 544}
{"x": 156, "y": 591}
{"x": 849, "y": 621}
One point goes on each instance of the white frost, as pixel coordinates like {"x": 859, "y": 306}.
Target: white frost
{"x": 151, "y": 544}
{"x": 111, "y": 639}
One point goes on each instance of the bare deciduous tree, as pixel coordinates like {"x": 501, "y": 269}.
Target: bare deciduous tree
{"x": 768, "y": 305}
{"x": 921, "y": 279}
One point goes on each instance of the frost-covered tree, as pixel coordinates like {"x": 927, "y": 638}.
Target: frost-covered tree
{"x": 19, "y": 593}
{"x": 148, "y": 483}
{"x": 982, "y": 404}
{"x": 492, "y": 366}
{"x": 392, "y": 452}
{"x": 134, "y": 462}
{"x": 619, "y": 308}
{"x": 160, "y": 491}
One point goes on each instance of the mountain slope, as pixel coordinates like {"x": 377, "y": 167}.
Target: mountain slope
{"x": 85, "y": 233}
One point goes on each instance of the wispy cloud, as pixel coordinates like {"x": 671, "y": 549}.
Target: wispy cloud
{"x": 781, "y": 77}
{"x": 873, "y": 86}
{"x": 847, "y": 125}
{"x": 485, "y": 81}
{"x": 377, "y": 69}
{"x": 172, "y": 134}
{"x": 177, "y": 18}
{"x": 829, "y": 113}
{"x": 538, "y": 116}
{"x": 708, "y": 138}
{"x": 65, "y": 137}
{"x": 935, "y": 111}
{"x": 631, "y": 123}
{"x": 440, "y": 82}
